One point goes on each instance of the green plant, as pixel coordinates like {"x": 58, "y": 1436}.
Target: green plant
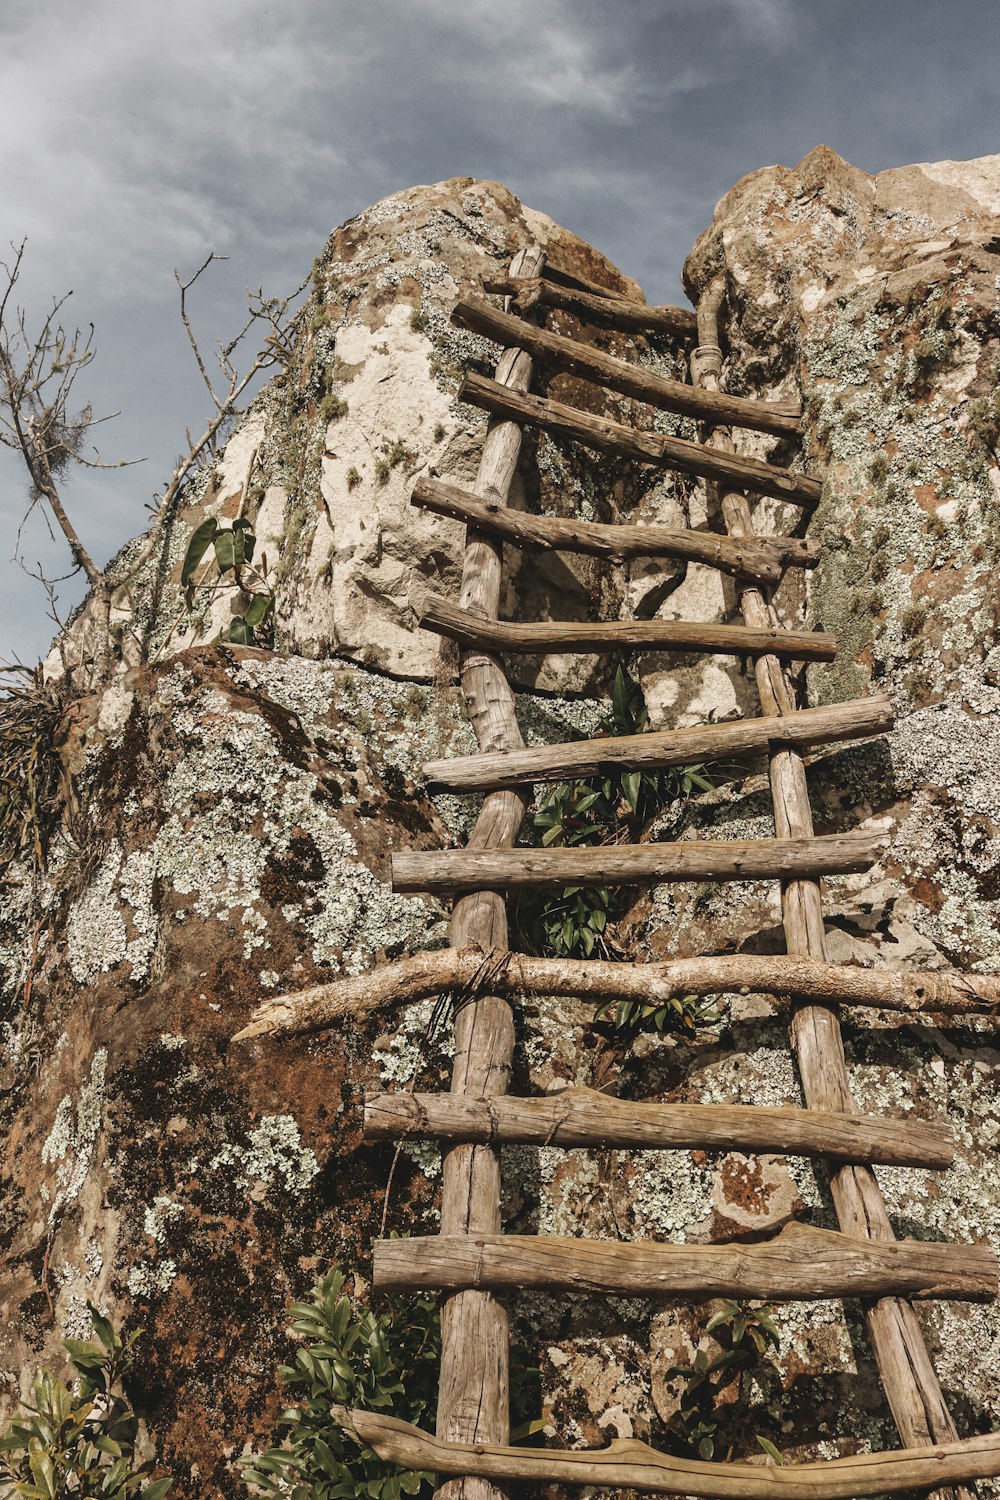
{"x": 747, "y": 1339}
{"x": 378, "y": 1361}
{"x": 79, "y": 1441}
{"x": 353, "y": 478}
{"x": 419, "y": 321}
{"x": 681, "y": 1015}
{"x": 233, "y": 549}
{"x": 603, "y": 809}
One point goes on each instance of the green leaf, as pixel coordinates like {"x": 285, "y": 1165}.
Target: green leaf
{"x": 632, "y": 787}
{"x": 85, "y": 1356}
{"x": 706, "y": 1447}
{"x": 42, "y": 1471}
{"x": 238, "y": 632}
{"x": 527, "y": 1429}
{"x": 258, "y": 609}
{"x": 244, "y": 540}
{"x": 156, "y": 1490}
{"x": 224, "y": 543}
{"x": 770, "y": 1449}
{"x": 103, "y": 1329}
{"x": 621, "y": 703}
{"x": 199, "y": 544}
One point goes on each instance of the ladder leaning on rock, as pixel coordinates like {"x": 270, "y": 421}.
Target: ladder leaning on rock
{"x": 472, "y": 1261}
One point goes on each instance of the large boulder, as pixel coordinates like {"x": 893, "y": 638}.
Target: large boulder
{"x": 229, "y": 812}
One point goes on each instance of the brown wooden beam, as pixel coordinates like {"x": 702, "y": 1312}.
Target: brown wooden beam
{"x": 799, "y": 1264}
{"x": 475, "y": 1342}
{"x": 435, "y": 613}
{"x": 601, "y": 307}
{"x": 854, "y": 720}
{"x": 597, "y": 981}
{"x": 482, "y": 317}
{"x": 644, "y": 447}
{"x": 764, "y": 559}
{"x": 636, "y": 864}
{"x": 585, "y": 1117}
{"x": 629, "y": 1464}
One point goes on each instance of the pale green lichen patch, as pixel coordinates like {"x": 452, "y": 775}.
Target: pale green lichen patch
{"x": 70, "y": 1143}
{"x": 273, "y": 1154}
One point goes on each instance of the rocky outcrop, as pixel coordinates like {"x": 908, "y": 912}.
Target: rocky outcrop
{"x": 324, "y": 464}
{"x": 232, "y": 809}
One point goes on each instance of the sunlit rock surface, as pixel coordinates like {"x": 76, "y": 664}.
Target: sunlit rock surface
{"x": 233, "y": 810}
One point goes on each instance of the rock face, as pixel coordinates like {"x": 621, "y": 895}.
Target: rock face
{"x": 325, "y": 462}
{"x": 232, "y": 810}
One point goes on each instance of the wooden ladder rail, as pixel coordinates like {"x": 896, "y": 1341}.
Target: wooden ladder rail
{"x": 912, "y": 1388}
{"x": 473, "y": 1391}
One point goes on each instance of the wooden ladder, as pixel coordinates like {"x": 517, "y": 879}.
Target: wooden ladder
{"x": 472, "y": 1261}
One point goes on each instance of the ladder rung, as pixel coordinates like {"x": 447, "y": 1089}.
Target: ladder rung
{"x": 762, "y": 559}
{"x": 599, "y": 307}
{"x": 637, "y": 864}
{"x": 482, "y": 317}
{"x": 799, "y": 1264}
{"x": 674, "y": 747}
{"x": 544, "y": 636}
{"x": 584, "y": 1117}
{"x": 630, "y": 1464}
{"x": 644, "y": 447}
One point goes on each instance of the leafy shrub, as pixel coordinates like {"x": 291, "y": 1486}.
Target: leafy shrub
{"x": 79, "y": 1441}
{"x": 606, "y": 809}
{"x": 747, "y": 1338}
{"x": 681, "y": 1015}
{"x": 373, "y": 1360}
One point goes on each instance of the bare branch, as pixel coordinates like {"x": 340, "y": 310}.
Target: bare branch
{"x": 185, "y": 287}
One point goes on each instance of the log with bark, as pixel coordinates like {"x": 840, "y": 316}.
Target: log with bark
{"x": 585, "y": 1117}
{"x": 636, "y": 864}
{"x": 809, "y": 727}
{"x": 931, "y": 992}
{"x": 763, "y": 559}
{"x": 644, "y": 447}
{"x": 628, "y": 1464}
{"x": 544, "y": 636}
{"x": 475, "y": 1343}
{"x": 596, "y": 307}
{"x": 799, "y": 1264}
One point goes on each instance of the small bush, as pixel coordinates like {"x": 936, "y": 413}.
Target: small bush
{"x": 80, "y": 1442}
{"x": 377, "y": 1361}
{"x": 573, "y": 922}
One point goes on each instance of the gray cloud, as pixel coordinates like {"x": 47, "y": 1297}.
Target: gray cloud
{"x": 141, "y": 136}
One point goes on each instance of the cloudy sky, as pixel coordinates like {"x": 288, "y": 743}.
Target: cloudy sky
{"x": 141, "y": 135}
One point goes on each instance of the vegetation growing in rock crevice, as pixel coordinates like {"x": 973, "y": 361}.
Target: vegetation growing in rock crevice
{"x": 80, "y": 1440}
{"x": 747, "y": 1338}
{"x": 30, "y": 795}
{"x": 608, "y": 809}
{"x": 377, "y": 1361}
